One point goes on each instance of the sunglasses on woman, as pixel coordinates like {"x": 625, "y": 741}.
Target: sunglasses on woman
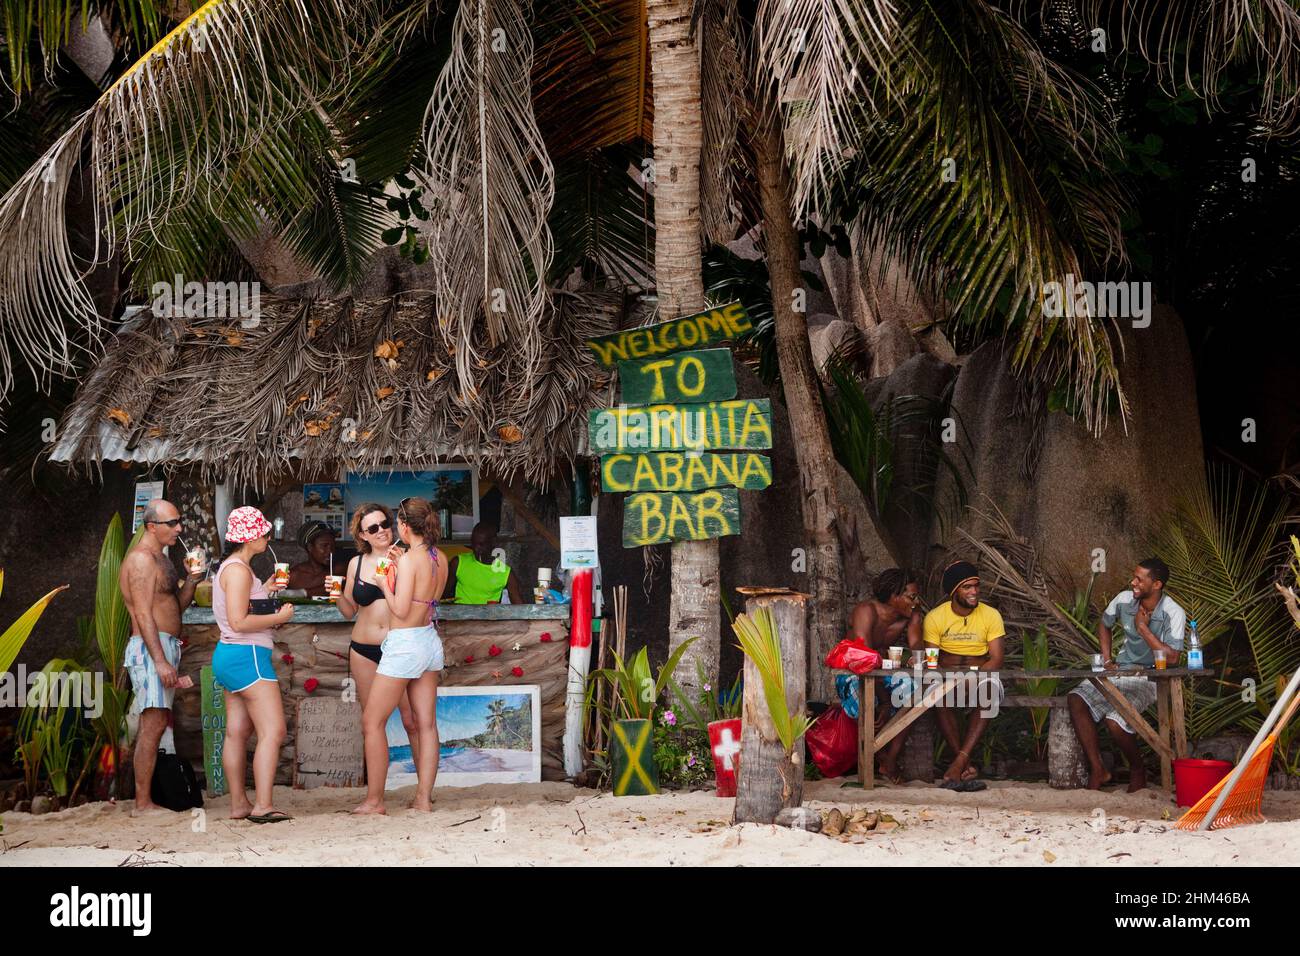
{"x": 376, "y": 528}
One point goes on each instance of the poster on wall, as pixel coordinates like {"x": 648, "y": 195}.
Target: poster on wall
{"x": 326, "y": 503}
{"x": 578, "y": 542}
{"x": 453, "y": 486}
{"x": 145, "y": 492}
{"x": 486, "y": 735}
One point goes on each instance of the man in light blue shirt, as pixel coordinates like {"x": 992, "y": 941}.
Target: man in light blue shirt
{"x": 1150, "y": 621}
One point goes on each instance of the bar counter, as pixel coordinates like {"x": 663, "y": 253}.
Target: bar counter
{"x": 483, "y": 645}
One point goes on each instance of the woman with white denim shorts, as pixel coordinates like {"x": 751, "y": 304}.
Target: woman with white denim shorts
{"x": 411, "y": 656}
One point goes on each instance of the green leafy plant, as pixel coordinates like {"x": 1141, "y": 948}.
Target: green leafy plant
{"x": 50, "y": 731}
{"x": 1037, "y": 658}
{"x": 1222, "y": 543}
{"x": 112, "y": 625}
{"x": 638, "y": 691}
{"x": 761, "y": 643}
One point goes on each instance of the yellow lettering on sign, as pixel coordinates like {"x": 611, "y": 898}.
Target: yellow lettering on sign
{"x": 607, "y": 473}
{"x": 650, "y": 511}
{"x": 754, "y": 423}
{"x": 672, "y": 473}
{"x": 756, "y": 465}
{"x": 644, "y": 470}
{"x": 678, "y": 515}
{"x": 690, "y": 333}
{"x": 658, "y": 393}
{"x": 726, "y": 466}
{"x": 689, "y": 362}
{"x": 709, "y": 505}
{"x": 736, "y": 319}
{"x": 696, "y": 470}
{"x": 610, "y": 352}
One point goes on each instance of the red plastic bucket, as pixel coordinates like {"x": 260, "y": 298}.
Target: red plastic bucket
{"x": 1193, "y": 779}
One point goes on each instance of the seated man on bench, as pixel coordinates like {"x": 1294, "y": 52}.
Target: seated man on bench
{"x": 1152, "y": 621}
{"x": 969, "y": 635}
{"x": 891, "y": 617}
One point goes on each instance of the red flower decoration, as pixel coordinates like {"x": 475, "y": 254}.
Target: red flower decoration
{"x": 287, "y": 658}
{"x": 493, "y": 651}
{"x": 517, "y": 671}
{"x": 546, "y": 638}
{"x": 310, "y": 684}
{"x": 469, "y": 659}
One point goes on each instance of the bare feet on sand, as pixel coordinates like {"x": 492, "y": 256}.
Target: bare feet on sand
{"x": 1137, "y": 780}
{"x": 370, "y": 809}
{"x": 1098, "y": 778}
{"x": 149, "y": 810}
{"x": 240, "y": 809}
{"x": 424, "y": 806}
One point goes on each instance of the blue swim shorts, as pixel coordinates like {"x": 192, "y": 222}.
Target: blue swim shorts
{"x": 148, "y": 686}
{"x": 240, "y": 666}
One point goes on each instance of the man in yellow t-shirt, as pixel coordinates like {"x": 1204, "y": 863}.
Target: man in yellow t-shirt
{"x": 969, "y": 635}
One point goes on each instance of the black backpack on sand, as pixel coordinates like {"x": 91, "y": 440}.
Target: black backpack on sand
{"x": 174, "y": 784}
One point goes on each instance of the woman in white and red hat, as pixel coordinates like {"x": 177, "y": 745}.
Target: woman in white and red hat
{"x": 242, "y": 664}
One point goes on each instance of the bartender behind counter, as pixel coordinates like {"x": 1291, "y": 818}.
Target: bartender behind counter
{"x": 318, "y": 541}
{"x": 476, "y": 577}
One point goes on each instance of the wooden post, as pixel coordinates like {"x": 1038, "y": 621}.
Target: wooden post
{"x": 1162, "y": 716}
{"x": 768, "y": 780}
{"x": 1178, "y": 714}
{"x": 867, "y": 733}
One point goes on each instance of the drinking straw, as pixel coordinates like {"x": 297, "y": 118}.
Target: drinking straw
{"x": 272, "y": 550}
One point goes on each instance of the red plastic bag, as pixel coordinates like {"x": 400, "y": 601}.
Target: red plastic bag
{"x": 833, "y": 742}
{"x": 853, "y": 654}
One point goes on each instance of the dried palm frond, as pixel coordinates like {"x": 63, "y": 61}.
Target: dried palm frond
{"x": 821, "y": 54}
{"x": 305, "y": 390}
{"x": 722, "y": 100}
{"x": 1014, "y": 581}
{"x": 986, "y": 174}
{"x": 491, "y": 185}
{"x": 154, "y": 139}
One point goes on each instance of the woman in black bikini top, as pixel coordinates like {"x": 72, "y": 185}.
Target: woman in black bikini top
{"x": 373, "y": 530}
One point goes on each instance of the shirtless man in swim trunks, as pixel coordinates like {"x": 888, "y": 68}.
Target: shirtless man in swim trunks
{"x": 891, "y": 616}
{"x": 155, "y": 596}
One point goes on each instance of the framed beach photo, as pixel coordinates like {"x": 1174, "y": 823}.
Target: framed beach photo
{"x": 487, "y": 735}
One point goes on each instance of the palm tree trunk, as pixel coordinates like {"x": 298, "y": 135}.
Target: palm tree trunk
{"x": 679, "y": 281}
{"x": 812, "y": 442}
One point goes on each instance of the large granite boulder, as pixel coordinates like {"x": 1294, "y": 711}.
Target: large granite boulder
{"x": 1085, "y": 493}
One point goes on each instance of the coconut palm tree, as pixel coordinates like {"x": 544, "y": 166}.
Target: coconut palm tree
{"x": 231, "y": 122}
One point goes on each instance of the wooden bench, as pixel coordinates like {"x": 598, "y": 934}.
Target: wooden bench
{"x": 1170, "y": 711}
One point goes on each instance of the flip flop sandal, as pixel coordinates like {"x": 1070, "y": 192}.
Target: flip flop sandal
{"x": 275, "y": 816}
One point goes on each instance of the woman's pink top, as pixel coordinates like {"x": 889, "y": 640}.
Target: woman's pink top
{"x": 228, "y": 634}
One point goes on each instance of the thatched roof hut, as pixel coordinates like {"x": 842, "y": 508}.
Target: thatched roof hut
{"x": 317, "y": 385}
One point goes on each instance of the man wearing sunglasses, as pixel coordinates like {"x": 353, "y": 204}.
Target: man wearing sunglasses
{"x": 155, "y": 594}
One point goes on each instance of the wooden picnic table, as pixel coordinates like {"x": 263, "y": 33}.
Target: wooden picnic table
{"x": 1170, "y": 712}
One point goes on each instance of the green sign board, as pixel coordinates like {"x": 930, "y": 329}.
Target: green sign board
{"x": 650, "y": 517}
{"x": 213, "y": 710}
{"x": 703, "y": 376}
{"x": 684, "y": 471}
{"x": 736, "y": 423}
{"x": 689, "y": 332}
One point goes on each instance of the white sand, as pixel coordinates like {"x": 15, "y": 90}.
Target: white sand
{"x": 555, "y": 824}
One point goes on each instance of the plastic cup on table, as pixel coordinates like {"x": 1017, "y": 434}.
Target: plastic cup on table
{"x": 932, "y": 658}
{"x": 1160, "y": 660}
